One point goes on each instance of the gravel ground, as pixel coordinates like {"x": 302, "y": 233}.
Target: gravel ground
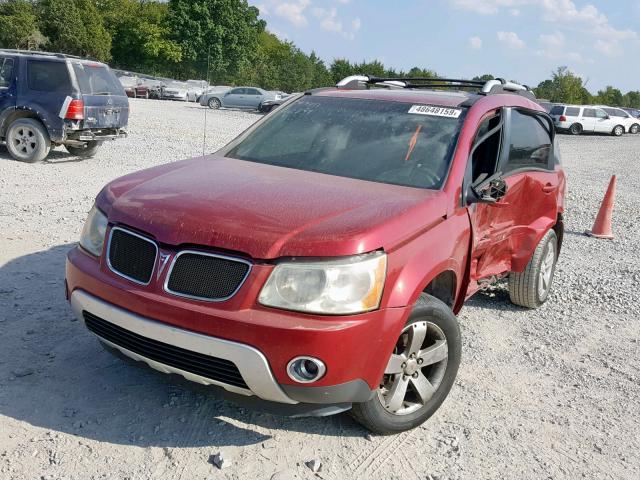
{"x": 545, "y": 394}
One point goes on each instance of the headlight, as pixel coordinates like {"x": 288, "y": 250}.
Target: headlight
{"x": 93, "y": 232}
{"x": 342, "y": 286}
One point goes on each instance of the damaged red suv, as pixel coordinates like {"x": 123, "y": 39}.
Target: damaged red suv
{"x": 319, "y": 259}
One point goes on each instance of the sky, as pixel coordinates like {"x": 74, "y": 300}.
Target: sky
{"x": 522, "y": 40}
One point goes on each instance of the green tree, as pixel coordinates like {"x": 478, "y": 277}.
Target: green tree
{"x": 610, "y": 96}
{"x": 632, "y": 99}
{"x": 19, "y": 26}
{"x": 484, "y": 78}
{"x": 75, "y": 27}
{"x": 140, "y": 35}
{"x": 217, "y": 34}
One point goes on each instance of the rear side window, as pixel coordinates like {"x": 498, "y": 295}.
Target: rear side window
{"x": 252, "y": 91}
{"x": 6, "y": 72}
{"x": 572, "y": 112}
{"x": 589, "y": 112}
{"x": 557, "y": 110}
{"x": 96, "y": 79}
{"x": 43, "y": 76}
{"x": 530, "y": 143}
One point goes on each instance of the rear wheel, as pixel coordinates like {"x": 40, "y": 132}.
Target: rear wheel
{"x": 214, "y": 103}
{"x": 617, "y": 131}
{"x": 575, "y": 129}
{"x": 28, "y": 141}
{"x": 419, "y": 373}
{"x": 531, "y": 287}
{"x": 89, "y": 150}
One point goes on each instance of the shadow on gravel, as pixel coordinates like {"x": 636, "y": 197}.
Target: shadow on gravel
{"x": 54, "y": 375}
{"x": 54, "y": 157}
{"x": 496, "y": 297}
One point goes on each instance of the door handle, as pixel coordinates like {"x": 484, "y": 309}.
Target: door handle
{"x": 548, "y": 188}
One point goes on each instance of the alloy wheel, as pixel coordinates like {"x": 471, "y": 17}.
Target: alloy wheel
{"x": 25, "y": 141}
{"x": 545, "y": 275}
{"x": 415, "y": 370}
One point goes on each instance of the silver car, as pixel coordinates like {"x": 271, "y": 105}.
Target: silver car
{"x": 249, "y": 98}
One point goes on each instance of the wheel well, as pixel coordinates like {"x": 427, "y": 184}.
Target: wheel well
{"x": 13, "y": 116}
{"x": 443, "y": 287}
{"x": 559, "y": 229}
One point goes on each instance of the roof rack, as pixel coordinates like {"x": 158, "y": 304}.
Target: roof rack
{"x": 499, "y": 85}
{"x": 37, "y": 52}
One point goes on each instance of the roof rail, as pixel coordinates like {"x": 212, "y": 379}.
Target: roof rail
{"x": 498, "y": 85}
{"x": 37, "y": 52}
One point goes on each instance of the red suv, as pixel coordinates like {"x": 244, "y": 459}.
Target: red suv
{"x": 319, "y": 259}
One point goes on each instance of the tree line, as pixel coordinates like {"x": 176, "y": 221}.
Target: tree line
{"x": 223, "y": 41}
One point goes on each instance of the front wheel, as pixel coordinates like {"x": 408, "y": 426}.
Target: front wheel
{"x": 419, "y": 373}
{"x": 214, "y": 103}
{"x": 618, "y": 130}
{"x": 89, "y": 150}
{"x": 634, "y": 128}
{"x": 530, "y": 288}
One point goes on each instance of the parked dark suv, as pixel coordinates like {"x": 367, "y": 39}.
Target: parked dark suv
{"x": 49, "y": 99}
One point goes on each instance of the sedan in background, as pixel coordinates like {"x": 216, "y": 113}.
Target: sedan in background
{"x": 176, "y": 91}
{"x": 134, "y": 87}
{"x": 249, "y": 98}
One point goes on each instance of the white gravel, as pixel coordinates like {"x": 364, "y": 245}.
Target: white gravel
{"x": 547, "y": 394}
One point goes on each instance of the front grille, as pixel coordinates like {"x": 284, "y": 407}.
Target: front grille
{"x": 212, "y": 368}
{"x": 206, "y": 276}
{"x": 131, "y": 255}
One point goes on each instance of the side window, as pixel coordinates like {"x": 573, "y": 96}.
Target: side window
{"x": 601, "y": 113}
{"x": 589, "y": 112}
{"x": 237, "y": 91}
{"x": 612, "y": 111}
{"x": 252, "y": 91}
{"x": 557, "y": 110}
{"x": 6, "y": 72}
{"x": 530, "y": 143}
{"x": 572, "y": 112}
{"x": 44, "y": 76}
{"x": 485, "y": 156}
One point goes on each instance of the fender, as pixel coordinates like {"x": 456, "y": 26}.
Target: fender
{"x": 54, "y": 125}
{"x": 441, "y": 248}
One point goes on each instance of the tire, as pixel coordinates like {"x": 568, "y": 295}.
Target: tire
{"x": 146, "y": 95}
{"x": 575, "y": 129}
{"x": 531, "y": 287}
{"x": 442, "y": 338}
{"x": 634, "y": 128}
{"x": 214, "y": 103}
{"x": 617, "y": 131}
{"x": 28, "y": 141}
{"x": 89, "y": 150}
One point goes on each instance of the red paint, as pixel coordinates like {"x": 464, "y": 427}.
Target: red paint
{"x": 264, "y": 212}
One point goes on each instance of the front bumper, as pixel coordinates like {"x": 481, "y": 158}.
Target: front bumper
{"x": 252, "y": 364}
{"x": 259, "y": 341}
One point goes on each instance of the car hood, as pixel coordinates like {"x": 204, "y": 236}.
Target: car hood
{"x": 266, "y": 211}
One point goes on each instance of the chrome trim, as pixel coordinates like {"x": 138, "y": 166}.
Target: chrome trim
{"x": 122, "y": 274}
{"x": 205, "y": 254}
{"x": 322, "y": 369}
{"x": 251, "y": 363}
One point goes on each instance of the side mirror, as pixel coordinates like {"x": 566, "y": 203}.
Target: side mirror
{"x": 488, "y": 190}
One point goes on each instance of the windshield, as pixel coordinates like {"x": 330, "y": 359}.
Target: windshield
{"x": 380, "y": 141}
{"x": 96, "y": 79}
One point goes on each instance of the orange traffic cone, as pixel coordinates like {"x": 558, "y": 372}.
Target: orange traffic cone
{"x": 602, "y": 226}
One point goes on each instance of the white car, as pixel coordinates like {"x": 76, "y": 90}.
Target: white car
{"x": 578, "y": 119}
{"x": 176, "y": 91}
{"x": 631, "y": 124}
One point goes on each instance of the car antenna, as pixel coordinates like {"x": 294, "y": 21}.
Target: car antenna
{"x": 204, "y": 132}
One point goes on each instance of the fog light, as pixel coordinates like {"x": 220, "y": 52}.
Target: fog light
{"x": 306, "y": 369}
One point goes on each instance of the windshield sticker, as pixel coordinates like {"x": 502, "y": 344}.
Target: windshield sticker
{"x": 435, "y": 111}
